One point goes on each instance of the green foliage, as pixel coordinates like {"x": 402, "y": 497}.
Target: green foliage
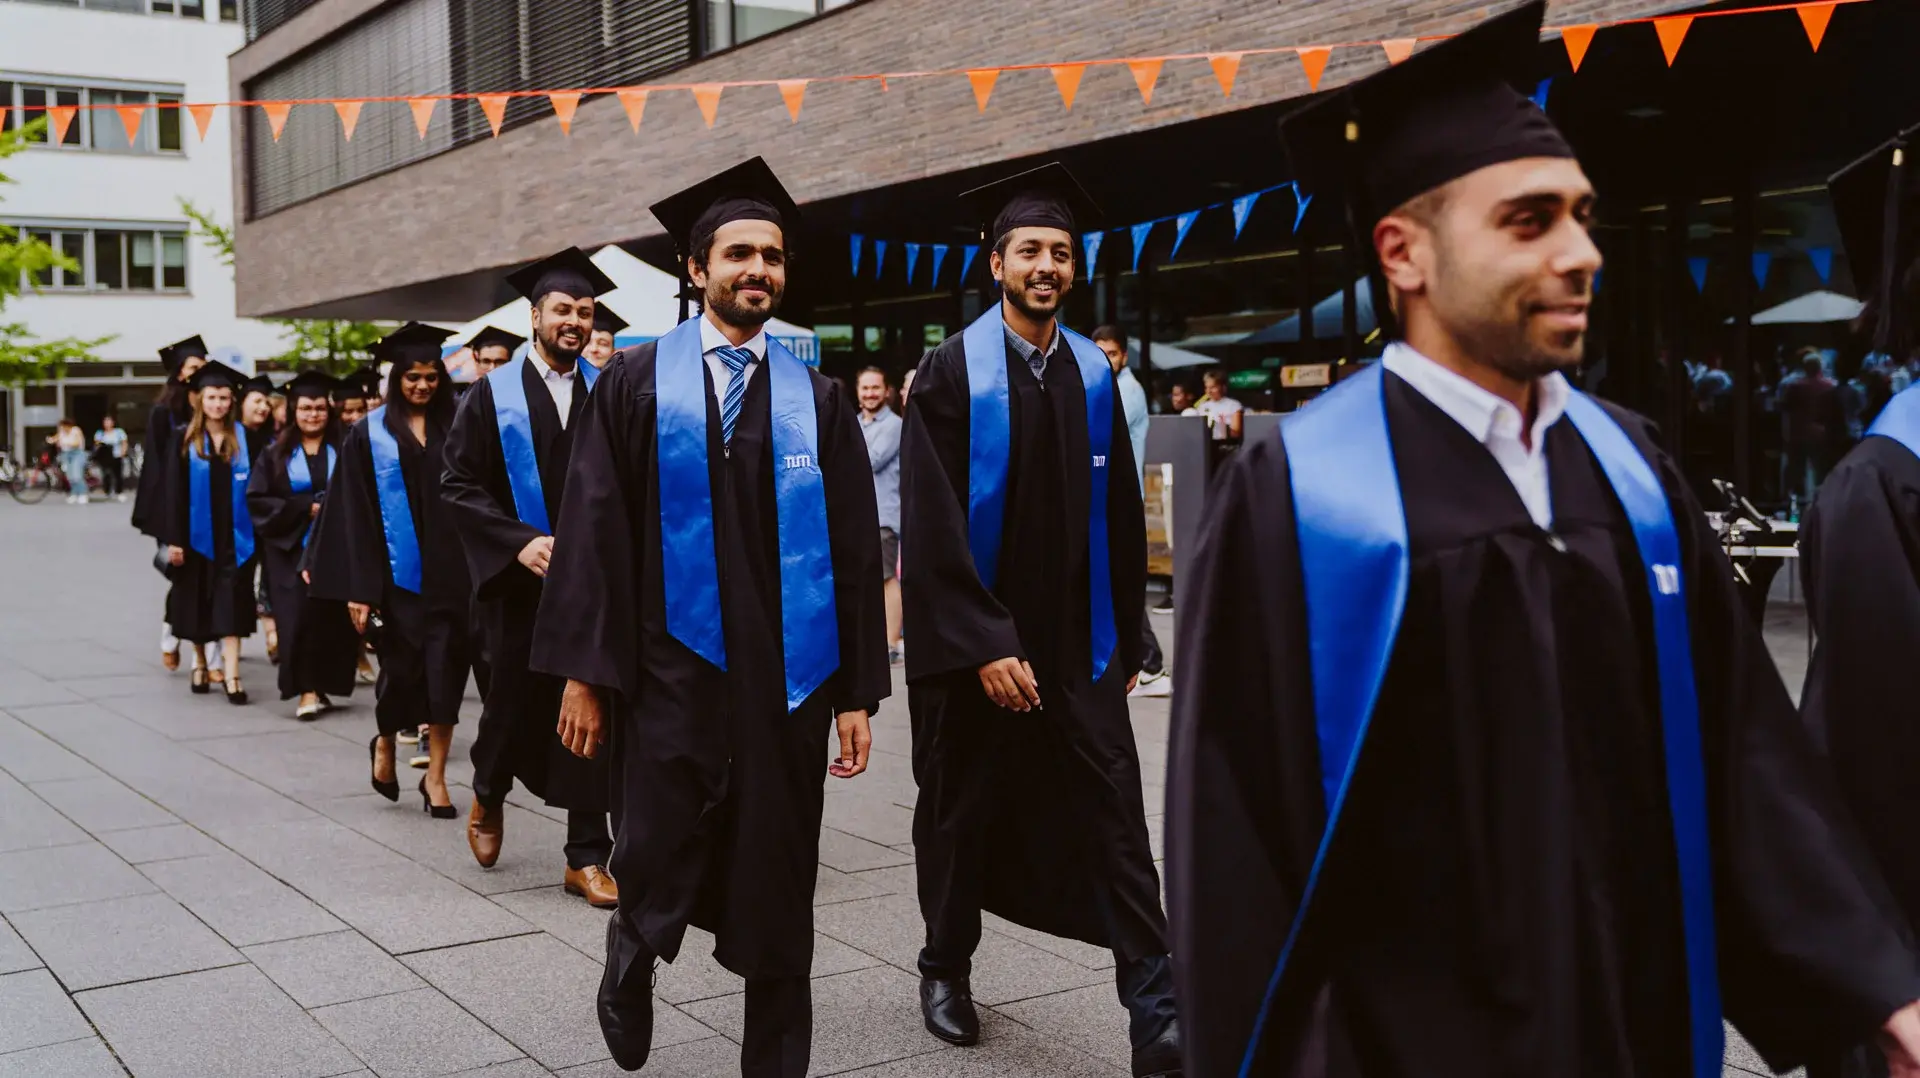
{"x": 23, "y": 357}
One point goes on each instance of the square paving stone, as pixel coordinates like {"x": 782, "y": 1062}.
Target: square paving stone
{"x": 563, "y": 916}
{"x": 31, "y": 756}
{"x": 34, "y": 1011}
{"x": 242, "y": 903}
{"x": 418, "y": 1034}
{"x": 102, "y": 804}
{"x": 15, "y": 955}
{"x": 63, "y": 875}
{"x": 28, "y": 823}
{"x": 519, "y": 1068}
{"x": 532, "y": 854}
{"x": 535, "y": 990}
{"x": 122, "y": 939}
{"x": 839, "y": 850}
{"x": 705, "y": 1058}
{"x": 831, "y": 885}
{"x": 141, "y": 685}
{"x": 319, "y": 971}
{"x": 21, "y": 688}
{"x": 224, "y": 1023}
{"x": 1017, "y": 1054}
{"x": 1090, "y": 1019}
{"x": 180, "y": 716}
{"x": 294, "y": 759}
{"x": 871, "y": 816}
{"x": 69, "y": 1059}
{"x": 147, "y": 844}
{"x": 693, "y": 974}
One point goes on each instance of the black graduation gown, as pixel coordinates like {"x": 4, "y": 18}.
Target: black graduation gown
{"x": 210, "y": 599}
{"x": 717, "y": 787}
{"x": 423, "y": 646}
{"x": 1502, "y": 895}
{"x": 522, "y": 708}
{"x": 318, "y": 647}
{"x": 1036, "y": 817}
{"x": 150, "y": 490}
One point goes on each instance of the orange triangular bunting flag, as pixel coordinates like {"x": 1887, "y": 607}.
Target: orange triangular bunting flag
{"x": 707, "y": 96}
{"x": 1226, "y": 67}
{"x": 494, "y": 108}
{"x": 983, "y": 80}
{"x": 349, "y": 112}
{"x": 1314, "y": 61}
{"x": 1672, "y": 31}
{"x": 635, "y": 102}
{"x": 1398, "y": 49}
{"x": 202, "y": 118}
{"x": 793, "y": 92}
{"x": 1577, "y": 39}
{"x": 1067, "y": 78}
{"x": 423, "y": 113}
{"x": 1814, "y": 17}
{"x": 1145, "y": 74}
{"x": 61, "y": 118}
{"x": 276, "y": 115}
{"x": 564, "y": 102}
{"x": 130, "y": 117}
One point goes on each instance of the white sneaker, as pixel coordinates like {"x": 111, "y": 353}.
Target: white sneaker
{"x": 119, "y": 497}
{"x": 1153, "y": 685}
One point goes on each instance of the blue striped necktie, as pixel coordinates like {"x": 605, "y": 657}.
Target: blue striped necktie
{"x": 737, "y": 361}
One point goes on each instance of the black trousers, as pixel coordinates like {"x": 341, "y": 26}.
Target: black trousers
{"x": 779, "y": 1036}
{"x": 1152, "y": 662}
{"x": 589, "y": 842}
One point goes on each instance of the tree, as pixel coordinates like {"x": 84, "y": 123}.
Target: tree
{"x": 23, "y": 357}
{"x": 337, "y": 347}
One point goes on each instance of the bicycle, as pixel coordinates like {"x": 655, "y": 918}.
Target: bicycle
{"x": 43, "y": 475}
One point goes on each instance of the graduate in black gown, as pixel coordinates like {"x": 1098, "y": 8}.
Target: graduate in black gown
{"x": 1860, "y": 549}
{"x": 606, "y": 328}
{"x": 714, "y": 601}
{"x": 202, "y": 518}
{"x": 506, "y": 475}
{"x": 256, "y": 415}
{"x": 1025, "y": 616}
{"x": 492, "y": 349}
{"x": 1479, "y": 620}
{"x": 317, "y": 640}
{"x": 387, "y": 543}
{"x": 171, "y": 409}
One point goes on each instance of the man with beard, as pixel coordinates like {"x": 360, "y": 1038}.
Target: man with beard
{"x": 881, "y": 426}
{"x": 714, "y": 601}
{"x": 1029, "y": 571}
{"x": 506, "y": 476}
{"x": 606, "y": 326}
{"x": 492, "y": 348}
{"x": 1478, "y": 765}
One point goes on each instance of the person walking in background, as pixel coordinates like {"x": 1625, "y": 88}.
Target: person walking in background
{"x": 1809, "y": 409}
{"x": 1180, "y": 400}
{"x": 70, "y": 443}
{"x": 1133, "y": 400}
{"x": 1224, "y": 414}
{"x": 882, "y": 430}
{"x": 110, "y": 453}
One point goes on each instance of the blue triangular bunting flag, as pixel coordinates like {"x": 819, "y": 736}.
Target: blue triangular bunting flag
{"x": 857, "y": 244}
{"x": 939, "y": 260}
{"x": 913, "y": 259}
{"x": 966, "y": 259}
{"x": 1090, "y": 243}
{"x": 1242, "y": 209}
{"x": 1822, "y": 259}
{"x": 1697, "y": 266}
{"x": 1182, "y": 224}
{"x": 1140, "y": 232}
{"x": 1300, "y": 204}
{"x": 1540, "y": 92}
{"x": 1762, "y": 262}
{"x": 879, "y": 258}
{"x": 1596, "y": 281}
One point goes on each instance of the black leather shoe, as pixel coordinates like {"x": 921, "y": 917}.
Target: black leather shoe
{"x": 947, "y": 1007}
{"x": 625, "y": 1002}
{"x": 1159, "y": 1057}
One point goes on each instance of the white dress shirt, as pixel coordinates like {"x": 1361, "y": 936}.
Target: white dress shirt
{"x": 712, "y": 340}
{"x": 1493, "y": 421}
{"x": 559, "y": 384}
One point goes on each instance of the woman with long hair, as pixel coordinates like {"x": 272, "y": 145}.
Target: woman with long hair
{"x": 208, "y": 533}
{"x": 387, "y": 544}
{"x": 318, "y": 645}
{"x": 171, "y": 410}
{"x": 256, "y": 415}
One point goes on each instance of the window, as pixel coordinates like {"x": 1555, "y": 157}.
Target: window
{"x": 100, "y": 128}
{"x": 229, "y": 10}
{"x": 113, "y": 259}
{"x": 731, "y": 22}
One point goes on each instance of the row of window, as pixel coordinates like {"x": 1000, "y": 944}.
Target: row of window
{"x": 113, "y": 259}
{"x": 101, "y": 126}
{"x": 228, "y": 10}
{"x": 734, "y": 22}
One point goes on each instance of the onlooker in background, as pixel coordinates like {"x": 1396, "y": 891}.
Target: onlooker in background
{"x": 71, "y": 443}
{"x": 906, "y": 383}
{"x": 1133, "y": 401}
{"x": 1809, "y": 407}
{"x": 1180, "y": 400}
{"x": 1224, "y": 414}
{"x": 882, "y": 429}
{"x": 110, "y": 453}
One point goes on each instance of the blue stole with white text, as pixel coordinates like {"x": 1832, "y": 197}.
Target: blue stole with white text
{"x": 200, "y": 498}
{"x": 515, "y": 421}
{"x": 809, "y": 628}
{"x": 990, "y": 444}
{"x": 1354, "y": 553}
{"x": 299, "y": 480}
{"x": 396, "y": 512}
{"x": 1899, "y": 419}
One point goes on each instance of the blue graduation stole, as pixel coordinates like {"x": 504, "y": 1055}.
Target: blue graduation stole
{"x": 589, "y": 373}
{"x": 396, "y": 513}
{"x": 299, "y": 480}
{"x": 1900, "y": 420}
{"x": 1352, "y": 532}
{"x": 515, "y": 421}
{"x": 200, "y": 499}
{"x": 809, "y": 627}
{"x": 990, "y": 443}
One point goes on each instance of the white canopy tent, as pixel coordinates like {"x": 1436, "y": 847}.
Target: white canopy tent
{"x": 1814, "y": 308}
{"x": 1167, "y": 358}
{"x": 1329, "y": 318}
{"x": 648, "y": 298}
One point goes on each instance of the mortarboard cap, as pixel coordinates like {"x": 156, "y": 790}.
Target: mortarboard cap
{"x": 172, "y": 355}
{"x": 748, "y": 191}
{"x": 311, "y": 384}
{"x": 1044, "y": 197}
{"x": 415, "y": 342}
{"x": 569, "y": 272}
{"x": 494, "y": 336}
{"x": 215, "y": 374}
{"x": 605, "y": 321}
{"x": 1875, "y": 206}
{"x": 259, "y": 383}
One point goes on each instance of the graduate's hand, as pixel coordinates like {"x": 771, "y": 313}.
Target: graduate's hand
{"x": 582, "y": 727}
{"x": 1900, "y": 1040}
{"x": 176, "y": 556}
{"x": 313, "y": 510}
{"x": 358, "y": 612}
{"x": 1132, "y": 683}
{"x": 856, "y": 738}
{"x": 537, "y": 554}
{"x": 1009, "y": 682}
{"x": 306, "y": 578}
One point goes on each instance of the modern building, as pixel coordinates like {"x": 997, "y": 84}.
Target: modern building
{"x": 1710, "y": 165}
{"x": 112, "y": 202}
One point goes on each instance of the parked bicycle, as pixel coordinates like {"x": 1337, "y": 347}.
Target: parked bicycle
{"x": 41, "y": 476}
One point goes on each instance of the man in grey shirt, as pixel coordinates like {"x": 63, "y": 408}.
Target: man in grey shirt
{"x": 882, "y": 428}
{"x": 1133, "y": 400}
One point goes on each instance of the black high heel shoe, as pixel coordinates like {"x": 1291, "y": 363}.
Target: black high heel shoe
{"x": 438, "y": 812}
{"x": 236, "y": 692}
{"x": 389, "y": 789}
{"x": 197, "y": 681}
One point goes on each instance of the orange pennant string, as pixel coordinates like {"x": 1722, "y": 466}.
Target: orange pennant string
{"x": 1313, "y": 60}
{"x": 635, "y": 102}
{"x": 1398, "y": 49}
{"x": 202, "y": 118}
{"x": 492, "y": 106}
{"x": 61, "y": 118}
{"x": 1814, "y": 18}
{"x": 349, "y": 112}
{"x": 1577, "y": 39}
{"x": 983, "y": 80}
{"x": 793, "y": 92}
{"x": 276, "y": 116}
{"x": 1226, "y": 67}
{"x": 708, "y": 98}
{"x": 1145, "y": 74}
{"x": 423, "y": 112}
{"x": 1672, "y": 31}
{"x": 1066, "y": 77}
{"x": 131, "y": 116}
{"x": 564, "y": 103}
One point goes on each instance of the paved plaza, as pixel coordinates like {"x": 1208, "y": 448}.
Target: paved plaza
{"x": 194, "y": 890}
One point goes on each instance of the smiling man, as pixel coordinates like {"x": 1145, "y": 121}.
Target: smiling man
{"x": 1478, "y": 766}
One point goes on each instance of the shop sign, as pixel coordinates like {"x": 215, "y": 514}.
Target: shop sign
{"x": 1306, "y": 375}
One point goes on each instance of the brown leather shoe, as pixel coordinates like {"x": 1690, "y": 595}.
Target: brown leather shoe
{"x": 593, "y": 884}
{"x": 483, "y": 832}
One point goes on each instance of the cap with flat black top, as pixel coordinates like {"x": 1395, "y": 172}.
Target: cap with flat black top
{"x": 215, "y": 374}
{"x": 311, "y": 384}
{"x": 605, "y": 321}
{"x": 415, "y": 342}
{"x": 260, "y": 384}
{"x": 569, "y": 272}
{"x": 1044, "y": 197}
{"x": 174, "y": 354}
{"x": 1876, "y": 203}
{"x": 495, "y": 337}
{"x": 749, "y": 191}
